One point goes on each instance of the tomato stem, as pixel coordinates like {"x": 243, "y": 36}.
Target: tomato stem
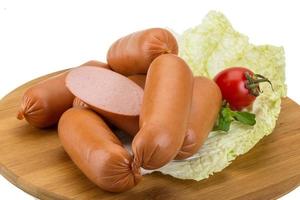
{"x": 263, "y": 79}
{"x": 252, "y": 83}
{"x": 252, "y": 86}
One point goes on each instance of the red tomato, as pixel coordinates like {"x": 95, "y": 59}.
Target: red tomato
{"x": 239, "y": 86}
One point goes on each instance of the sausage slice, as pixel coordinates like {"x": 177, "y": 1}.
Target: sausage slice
{"x": 112, "y": 95}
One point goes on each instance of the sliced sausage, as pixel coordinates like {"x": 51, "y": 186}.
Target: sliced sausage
{"x": 96, "y": 151}
{"x": 43, "y": 103}
{"x": 131, "y": 124}
{"x": 77, "y": 102}
{"x": 139, "y": 79}
{"x": 165, "y": 111}
{"x": 115, "y": 97}
{"x": 206, "y": 104}
{"x": 134, "y": 53}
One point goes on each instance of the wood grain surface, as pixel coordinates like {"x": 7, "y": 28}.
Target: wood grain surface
{"x": 35, "y": 161}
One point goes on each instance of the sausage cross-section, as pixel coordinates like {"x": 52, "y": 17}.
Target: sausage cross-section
{"x": 206, "y": 103}
{"x": 164, "y": 113}
{"x": 113, "y": 96}
{"x": 96, "y": 151}
{"x": 134, "y": 53}
{"x": 139, "y": 79}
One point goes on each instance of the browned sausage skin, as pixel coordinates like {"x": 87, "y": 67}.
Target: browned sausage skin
{"x": 43, "y": 103}
{"x": 96, "y": 151}
{"x": 139, "y": 79}
{"x": 164, "y": 113}
{"x": 112, "y": 95}
{"x": 206, "y": 103}
{"x": 134, "y": 53}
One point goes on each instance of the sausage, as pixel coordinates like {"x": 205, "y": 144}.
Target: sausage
{"x": 77, "y": 102}
{"x": 139, "y": 79}
{"x": 131, "y": 124}
{"x": 44, "y": 103}
{"x": 112, "y": 95}
{"x": 164, "y": 113}
{"x": 128, "y": 124}
{"x": 206, "y": 104}
{"x": 134, "y": 53}
{"x": 96, "y": 151}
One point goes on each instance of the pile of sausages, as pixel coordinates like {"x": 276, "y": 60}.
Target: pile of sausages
{"x": 145, "y": 90}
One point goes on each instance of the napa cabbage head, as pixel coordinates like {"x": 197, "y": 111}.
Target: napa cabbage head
{"x": 209, "y": 48}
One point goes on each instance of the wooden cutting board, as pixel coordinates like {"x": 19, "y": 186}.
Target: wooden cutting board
{"x": 35, "y": 161}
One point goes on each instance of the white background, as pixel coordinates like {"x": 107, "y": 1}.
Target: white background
{"x": 38, "y": 37}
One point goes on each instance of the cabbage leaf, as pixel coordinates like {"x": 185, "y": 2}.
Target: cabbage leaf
{"x": 209, "y": 48}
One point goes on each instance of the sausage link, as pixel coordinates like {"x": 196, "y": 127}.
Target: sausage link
{"x": 206, "y": 103}
{"x": 164, "y": 113}
{"x": 44, "y": 103}
{"x": 96, "y": 151}
{"x": 134, "y": 53}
